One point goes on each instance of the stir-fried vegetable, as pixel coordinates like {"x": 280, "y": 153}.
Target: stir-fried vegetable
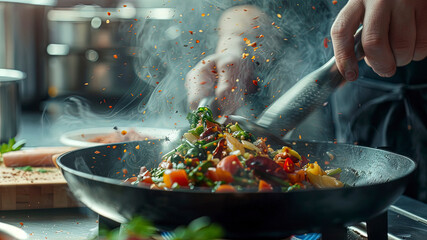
{"x": 230, "y": 159}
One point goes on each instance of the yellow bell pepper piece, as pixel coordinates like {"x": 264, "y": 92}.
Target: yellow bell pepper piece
{"x": 324, "y": 181}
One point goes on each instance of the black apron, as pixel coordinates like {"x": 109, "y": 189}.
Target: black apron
{"x": 387, "y": 112}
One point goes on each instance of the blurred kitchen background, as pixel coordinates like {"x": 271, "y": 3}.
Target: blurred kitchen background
{"x": 73, "y": 48}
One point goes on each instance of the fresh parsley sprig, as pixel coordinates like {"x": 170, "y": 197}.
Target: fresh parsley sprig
{"x": 12, "y": 145}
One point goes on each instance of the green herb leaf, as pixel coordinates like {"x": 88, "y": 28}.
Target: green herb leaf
{"x": 199, "y": 229}
{"x": 42, "y": 170}
{"x": 12, "y": 145}
{"x": 333, "y": 172}
{"x": 139, "y": 227}
{"x": 26, "y": 168}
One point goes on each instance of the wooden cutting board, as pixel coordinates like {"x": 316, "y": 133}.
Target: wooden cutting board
{"x": 34, "y": 189}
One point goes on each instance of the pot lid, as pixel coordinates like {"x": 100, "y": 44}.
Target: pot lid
{"x": 10, "y": 75}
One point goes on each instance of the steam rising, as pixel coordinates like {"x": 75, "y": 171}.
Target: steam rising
{"x": 167, "y": 50}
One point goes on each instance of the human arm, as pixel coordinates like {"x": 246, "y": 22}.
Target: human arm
{"x": 227, "y": 73}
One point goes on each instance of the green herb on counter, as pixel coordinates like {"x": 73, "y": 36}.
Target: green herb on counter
{"x": 30, "y": 169}
{"x": 12, "y": 145}
{"x": 26, "y": 168}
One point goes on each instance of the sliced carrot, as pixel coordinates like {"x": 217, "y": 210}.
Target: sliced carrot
{"x": 264, "y": 186}
{"x": 218, "y": 174}
{"x": 145, "y": 181}
{"x": 297, "y": 176}
{"x": 226, "y": 188}
{"x": 175, "y": 176}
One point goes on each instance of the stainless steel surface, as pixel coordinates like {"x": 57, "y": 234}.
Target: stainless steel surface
{"x": 303, "y": 98}
{"x": 259, "y": 130}
{"x": 90, "y": 52}
{"x": 9, "y": 103}
{"x": 58, "y": 224}
{"x": 23, "y": 41}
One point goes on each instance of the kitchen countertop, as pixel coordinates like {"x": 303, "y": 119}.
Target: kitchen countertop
{"x": 82, "y": 223}
{"x": 63, "y": 223}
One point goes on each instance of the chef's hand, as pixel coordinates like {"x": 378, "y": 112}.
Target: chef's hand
{"x": 221, "y": 75}
{"x": 394, "y": 34}
{"x": 227, "y": 74}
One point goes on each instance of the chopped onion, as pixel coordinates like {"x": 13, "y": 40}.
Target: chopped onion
{"x": 234, "y": 144}
{"x": 237, "y": 153}
{"x": 250, "y": 146}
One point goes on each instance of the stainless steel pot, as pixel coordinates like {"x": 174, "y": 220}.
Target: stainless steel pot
{"x": 10, "y": 107}
{"x": 23, "y": 41}
{"x": 81, "y": 49}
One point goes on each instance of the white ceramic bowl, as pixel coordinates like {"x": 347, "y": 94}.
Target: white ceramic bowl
{"x": 80, "y": 138}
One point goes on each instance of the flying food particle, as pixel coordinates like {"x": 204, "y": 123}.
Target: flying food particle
{"x": 325, "y": 42}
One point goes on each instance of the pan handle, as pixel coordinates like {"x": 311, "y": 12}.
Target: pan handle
{"x": 307, "y": 95}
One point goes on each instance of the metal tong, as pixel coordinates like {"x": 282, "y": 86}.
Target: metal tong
{"x": 309, "y": 94}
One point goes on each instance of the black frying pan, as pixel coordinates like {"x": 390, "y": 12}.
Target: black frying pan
{"x": 377, "y": 178}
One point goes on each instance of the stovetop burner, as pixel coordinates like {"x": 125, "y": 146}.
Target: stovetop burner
{"x": 406, "y": 219}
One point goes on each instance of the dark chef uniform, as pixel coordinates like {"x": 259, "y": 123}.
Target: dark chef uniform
{"x": 387, "y": 112}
